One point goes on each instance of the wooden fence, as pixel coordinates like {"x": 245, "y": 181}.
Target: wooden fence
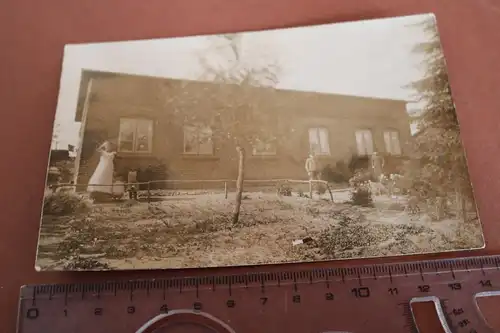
{"x": 224, "y": 182}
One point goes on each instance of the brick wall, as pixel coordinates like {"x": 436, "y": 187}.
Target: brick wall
{"x": 133, "y": 96}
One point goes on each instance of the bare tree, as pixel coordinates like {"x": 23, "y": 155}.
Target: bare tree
{"x": 241, "y": 105}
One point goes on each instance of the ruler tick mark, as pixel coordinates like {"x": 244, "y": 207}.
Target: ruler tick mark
{"x": 229, "y": 288}
{"x": 390, "y": 274}
{"x": 421, "y": 274}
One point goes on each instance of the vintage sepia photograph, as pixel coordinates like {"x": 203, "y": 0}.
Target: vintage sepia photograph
{"x": 303, "y": 144}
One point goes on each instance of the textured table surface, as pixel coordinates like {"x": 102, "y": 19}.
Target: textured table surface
{"x": 33, "y": 34}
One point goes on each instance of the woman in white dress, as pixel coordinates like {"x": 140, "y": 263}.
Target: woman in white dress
{"x": 102, "y": 179}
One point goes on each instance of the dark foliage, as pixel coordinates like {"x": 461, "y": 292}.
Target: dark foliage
{"x": 338, "y": 174}
{"x": 285, "y": 190}
{"x": 358, "y": 163}
{"x": 438, "y": 145}
{"x": 77, "y": 263}
{"x": 64, "y": 203}
{"x": 360, "y": 190}
{"x": 153, "y": 172}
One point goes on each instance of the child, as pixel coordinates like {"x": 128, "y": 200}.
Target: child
{"x": 131, "y": 180}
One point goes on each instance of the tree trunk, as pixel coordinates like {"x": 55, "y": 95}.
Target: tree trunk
{"x": 239, "y": 184}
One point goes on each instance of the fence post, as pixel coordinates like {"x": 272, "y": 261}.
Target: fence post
{"x": 149, "y": 191}
{"x": 310, "y": 189}
{"x": 329, "y": 191}
{"x": 225, "y": 190}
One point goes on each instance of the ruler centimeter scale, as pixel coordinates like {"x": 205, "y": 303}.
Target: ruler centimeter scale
{"x": 454, "y": 295}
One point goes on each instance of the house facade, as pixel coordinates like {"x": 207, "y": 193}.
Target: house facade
{"x": 149, "y": 120}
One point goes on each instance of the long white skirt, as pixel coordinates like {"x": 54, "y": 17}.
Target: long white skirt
{"x": 102, "y": 179}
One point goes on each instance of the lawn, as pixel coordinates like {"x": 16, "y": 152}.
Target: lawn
{"x": 195, "y": 230}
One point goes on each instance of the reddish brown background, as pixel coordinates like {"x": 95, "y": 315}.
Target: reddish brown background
{"x": 32, "y": 37}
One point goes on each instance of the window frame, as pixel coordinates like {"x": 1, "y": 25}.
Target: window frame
{"x": 264, "y": 153}
{"x": 318, "y": 130}
{"x": 372, "y": 143}
{"x": 398, "y": 137}
{"x": 134, "y": 150}
{"x": 197, "y": 128}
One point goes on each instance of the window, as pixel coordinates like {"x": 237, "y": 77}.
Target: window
{"x": 318, "y": 141}
{"x": 136, "y": 135}
{"x": 391, "y": 139}
{"x": 364, "y": 142}
{"x": 263, "y": 147}
{"x": 198, "y": 140}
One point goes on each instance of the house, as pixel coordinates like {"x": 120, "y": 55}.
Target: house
{"x": 58, "y": 155}
{"x": 149, "y": 120}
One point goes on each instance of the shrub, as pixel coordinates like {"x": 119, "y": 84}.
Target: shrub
{"x": 152, "y": 172}
{"x": 331, "y": 174}
{"x": 285, "y": 190}
{"x": 343, "y": 169}
{"x": 53, "y": 175}
{"x": 357, "y": 163}
{"x": 76, "y": 263}
{"x": 348, "y": 234}
{"x": 320, "y": 188}
{"x": 64, "y": 203}
{"x": 360, "y": 190}
{"x": 338, "y": 174}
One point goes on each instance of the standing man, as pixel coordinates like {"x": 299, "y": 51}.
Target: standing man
{"x": 377, "y": 165}
{"x": 312, "y": 169}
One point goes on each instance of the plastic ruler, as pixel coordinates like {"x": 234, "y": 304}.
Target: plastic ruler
{"x": 451, "y": 295}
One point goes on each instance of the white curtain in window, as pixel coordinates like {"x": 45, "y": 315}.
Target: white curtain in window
{"x": 364, "y": 142}
{"x": 323, "y": 141}
{"x": 392, "y": 145}
{"x": 318, "y": 141}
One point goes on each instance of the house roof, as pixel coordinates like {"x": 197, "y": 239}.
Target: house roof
{"x": 87, "y": 75}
